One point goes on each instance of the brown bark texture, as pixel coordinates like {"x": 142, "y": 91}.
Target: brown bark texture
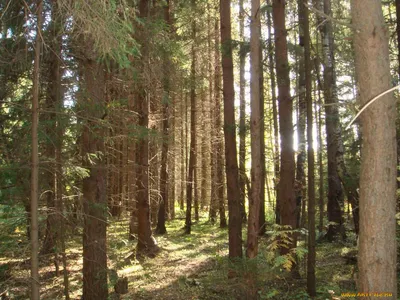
{"x": 286, "y": 195}
{"x": 255, "y": 128}
{"x": 377, "y": 240}
{"x": 231, "y": 170}
{"x": 94, "y": 186}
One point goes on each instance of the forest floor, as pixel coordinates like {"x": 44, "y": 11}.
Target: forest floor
{"x": 188, "y": 267}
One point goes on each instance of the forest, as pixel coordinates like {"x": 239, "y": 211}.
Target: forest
{"x": 199, "y": 149}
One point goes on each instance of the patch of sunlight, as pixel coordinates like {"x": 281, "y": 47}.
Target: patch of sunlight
{"x": 131, "y": 269}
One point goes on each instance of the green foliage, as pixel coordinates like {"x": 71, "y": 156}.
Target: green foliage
{"x": 109, "y": 25}
{"x": 282, "y": 237}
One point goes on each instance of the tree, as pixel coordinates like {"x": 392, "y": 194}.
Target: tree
{"x": 146, "y": 242}
{"x": 35, "y": 284}
{"x": 232, "y": 171}
{"x": 218, "y": 140}
{"x": 377, "y": 240}
{"x": 286, "y": 197}
{"x": 300, "y": 186}
{"x": 271, "y": 69}
{"x": 161, "y": 229}
{"x": 311, "y": 288}
{"x": 94, "y": 186}
{"x": 242, "y": 117}
{"x": 255, "y": 128}
{"x": 335, "y": 191}
{"x": 192, "y": 154}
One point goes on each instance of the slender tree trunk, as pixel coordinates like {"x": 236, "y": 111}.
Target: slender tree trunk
{"x": 300, "y": 185}
{"x": 255, "y": 128}
{"x": 377, "y": 241}
{"x": 172, "y": 164}
{"x": 192, "y": 158}
{"x": 311, "y": 284}
{"x": 320, "y": 170}
{"x": 232, "y": 170}
{"x": 219, "y": 159}
{"x": 261, "y": 219}
{"x": 398, "y": 34}
{"x": 34, "y": 226}
{"x": 183, "y": 159}
{"x": 242, "y": 117}
{"x": 286, "y": 196}
{"x": 271, "y": 69}
{"x": 162, "y": 209}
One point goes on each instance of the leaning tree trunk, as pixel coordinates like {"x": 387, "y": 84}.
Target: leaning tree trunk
{"x": 231, "y": 170}
{"x": 377, "y": 242}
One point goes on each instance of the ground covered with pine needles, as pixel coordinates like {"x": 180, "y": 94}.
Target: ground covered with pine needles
{"x": 188, "y": 267}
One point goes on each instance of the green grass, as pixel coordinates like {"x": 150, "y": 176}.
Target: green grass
{"x": 188, "y": 267}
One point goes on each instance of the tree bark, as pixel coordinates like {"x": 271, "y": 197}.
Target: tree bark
{"x": 219, "y": 144}
{"x": 335, "y": 191}
{"x": 53, "y": 145}
{"x": 94, "y": 186}
{"x": 163, "y": 203}
{"x": 242, "y": 115}
{"x": 311, "y": 284}
{"x": 34, "y": 224}
{"x": 300, "y": 186}
{"x": 377, "y": 240}
{"x": 192, "y": 155}
{"x": 286, "y": 196}
{"x": 232, "y": 171}
{"x": 271, "y": 69}
{"x": 146, "y": 242}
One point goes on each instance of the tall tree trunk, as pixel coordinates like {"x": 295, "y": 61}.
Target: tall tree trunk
{"x": 286, "y": 196}
{"x": 183, "y": 159}
{"x": 34, "y": 226}
{"x": 377, "y": 242}
{"x": 242, "y": 116}
{"x": 261, "y": 219}
{"x": 271, "y": 70}
{"x": 192, "y": 157}
{"x": 146, "y": 242}
{"x": 162, "y": 209}
{"x": 94, "y": 186}
{"x": 300, "y": 185}
{"x": 53, "y": 106}
{"x": 255, "y": 128}
{"x": 311, "y": 284}
{"x": 335, "y": 191}
{"x": 219, "y": 146}
{"x": 232, "y": 171}
{"x": 398, "y": 34}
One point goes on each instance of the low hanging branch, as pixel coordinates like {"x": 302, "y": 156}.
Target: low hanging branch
{"x": 370, "y": 102}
